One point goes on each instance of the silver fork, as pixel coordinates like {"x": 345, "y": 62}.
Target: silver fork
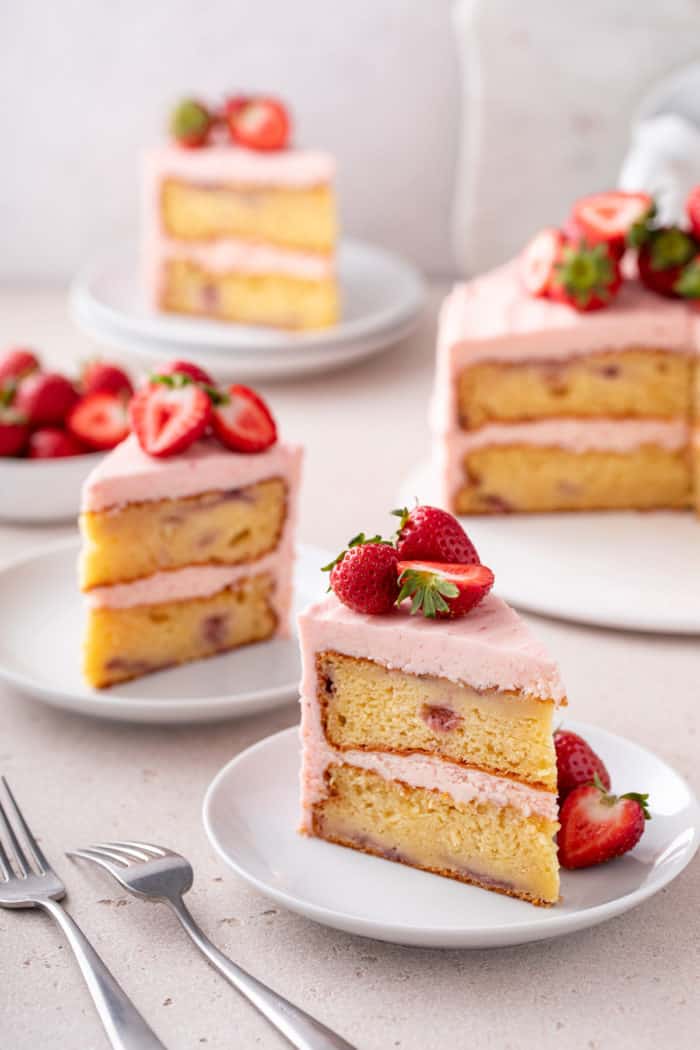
{"x": 27, "y": 880}
{"x": 160, "y": 874}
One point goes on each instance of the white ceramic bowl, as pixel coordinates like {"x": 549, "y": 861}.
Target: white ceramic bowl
{"x": 43, "y": 490}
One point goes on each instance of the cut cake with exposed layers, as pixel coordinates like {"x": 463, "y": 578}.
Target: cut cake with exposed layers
{"x": 430, "y": 743}
{"x": 538, "y": 407}
{"x": 185, "y": 557}
{"x": 242, "y": 236}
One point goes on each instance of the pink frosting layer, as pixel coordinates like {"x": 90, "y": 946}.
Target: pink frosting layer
{"x": 222, "y": 163}
{"x": 227, "y": 254}
{"x": 491, "y": 648}
{"x": 129, "y": 475}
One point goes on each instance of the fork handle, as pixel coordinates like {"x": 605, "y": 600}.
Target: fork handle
{"x": 124, "y": 1025}
{"x": 302, "y": 1030}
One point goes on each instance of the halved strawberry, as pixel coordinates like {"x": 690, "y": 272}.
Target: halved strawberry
{"x": 538, "y": 259}
{"x": 587, "y": 277}
{"x": 692, "y": 207}
{"x": 167, "y": 416}
{"x": 443, "y": 589}
{"x": 607, "y": 218}
{"x": 596, "y": 826}
{"x": 99, "y": 420}
{"x": 259, "y": 123}
{"x": 242, "y": 421}
{"x": 186, "y": 368}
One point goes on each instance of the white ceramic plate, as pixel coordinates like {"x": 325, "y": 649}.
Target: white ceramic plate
{"x": 43, "y": 490}
{"x": 40, "y": 647}
{"x": 629, "y": 570}
{"x": 251, "y": 816}
{"x": 382, "y": 297}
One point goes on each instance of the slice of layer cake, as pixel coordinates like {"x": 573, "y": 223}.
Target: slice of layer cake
{"x": 429, "y": 742}
{"x": 241, "y": 235}
{"x": 538, "y": 407}
{"x": 185, "y": 556}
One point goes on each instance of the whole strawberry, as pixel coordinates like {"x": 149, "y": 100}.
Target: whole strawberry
{"x": 364, "y": 577}
{"x": 662, "y": 257}
{"x": 596, "y": 826}
{"x": 14, "y": 432}
{"x": 45, "y": 398}
{"x": 191, "y": 123}
{"x": 586, "y": 276}
{"x": 187, "y": 368}
{"x": 432, "y": 534}
{"x": 100, "y": 377}
{"x": 577, "y": 763}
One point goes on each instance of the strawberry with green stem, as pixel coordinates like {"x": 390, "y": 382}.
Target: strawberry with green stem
{"x": 443, "y": 590}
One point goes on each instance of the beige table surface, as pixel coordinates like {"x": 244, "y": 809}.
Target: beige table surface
{"x": 633, "y": 982}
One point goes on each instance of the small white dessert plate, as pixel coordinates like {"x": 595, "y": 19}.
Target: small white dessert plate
{"x": 251, "y": 815}
{"x": 382, "y": 297}
{"x": 41, "y": 638}
{"x": 628, "y": 570}
{"x": 43, "y": 490}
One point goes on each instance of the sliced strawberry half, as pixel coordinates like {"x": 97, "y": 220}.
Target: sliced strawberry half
{"x": 168, "y": 416}
{"x": 596, "y": 826}
{"x": 607, "y": 218}
{"x": 99, "y": 420}
{"x": 259, "y": 123}
{"x": 242, "y": 421}
{"x": 538, "y": 259}
{"x": 443, "y": 590}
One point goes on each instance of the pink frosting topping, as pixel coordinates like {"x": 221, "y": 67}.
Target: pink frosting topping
{"x": 491, "y": 648}
{"x": 129, "y": 475}
{"x": 224, "y": 163}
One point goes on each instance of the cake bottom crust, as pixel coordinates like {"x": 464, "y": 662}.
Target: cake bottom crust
{"x": 500, "y": 479}
{"x": 126, "y": 643}
{"x": 495, "y": 848}
{"x": 275, "y": 299}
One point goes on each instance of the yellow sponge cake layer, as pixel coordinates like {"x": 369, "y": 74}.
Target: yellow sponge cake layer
{"x": 124, "y": 643}
{"x": 635, "y": 382}
{"x": 280, "y": 300}
{"x": 367, "y": 706}
{"x": 503, "y": 478}
{"x": 499, "y": 848}
{"x": 302, "y": 218}
{"x": 224, "y": 528}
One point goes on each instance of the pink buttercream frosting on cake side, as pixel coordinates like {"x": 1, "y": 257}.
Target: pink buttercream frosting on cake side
{"x": 491, "y": 648}
{"x": 129, "y": 475}
{"x": 493, "y": 319}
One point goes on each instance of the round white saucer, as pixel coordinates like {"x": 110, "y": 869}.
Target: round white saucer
{"x": 382, "y": 297}
{"x": 251, "y": 815}
{"x": 630, "y": 570}
{"x": 40, "y": 651}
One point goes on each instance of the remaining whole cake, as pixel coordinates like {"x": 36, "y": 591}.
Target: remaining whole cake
{"x": 562, "y": 386}
{"x": 240, "y": 231}
{"x": 187, "y": 554}
{"x": 428, "y": 739}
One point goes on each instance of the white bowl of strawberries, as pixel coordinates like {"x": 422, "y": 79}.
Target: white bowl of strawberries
{"x": 53, "y": 430}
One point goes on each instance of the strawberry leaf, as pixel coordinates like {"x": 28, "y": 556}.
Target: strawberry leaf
{"x": 643, "y": 800}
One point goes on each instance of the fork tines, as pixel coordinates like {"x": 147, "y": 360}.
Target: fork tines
{"x": 16, "y": 861}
